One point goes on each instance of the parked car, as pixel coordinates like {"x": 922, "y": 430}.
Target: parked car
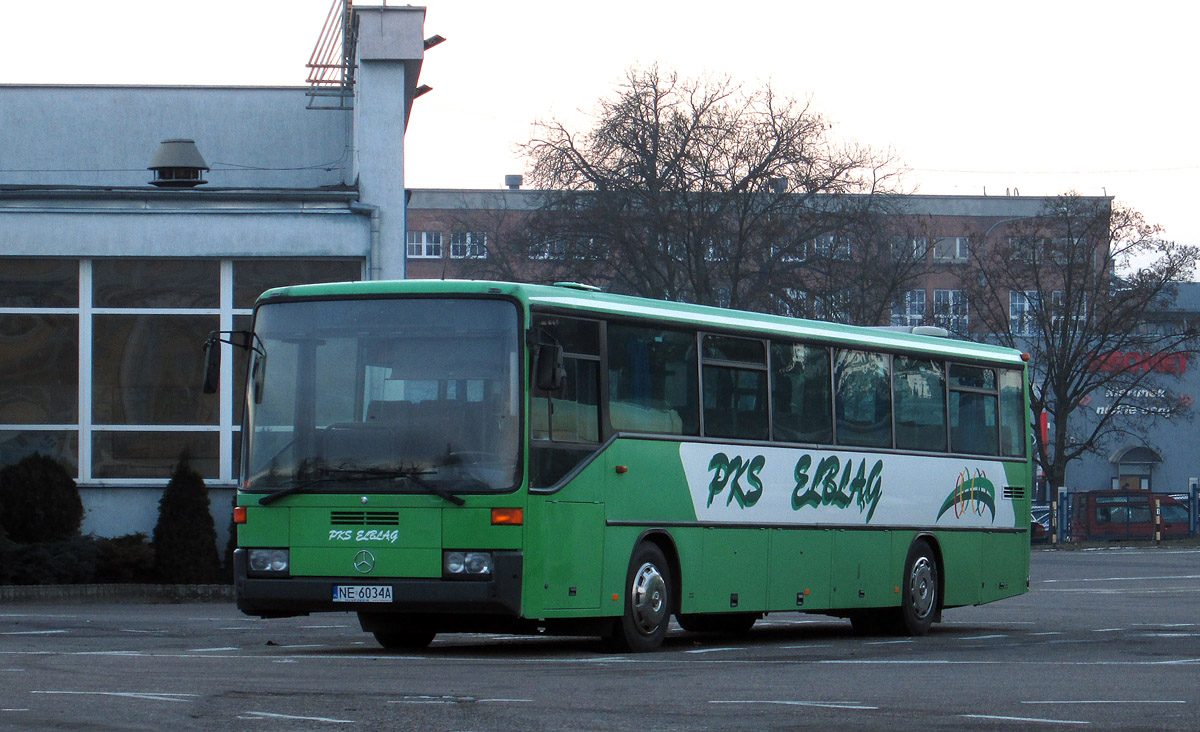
{"x": 1100, "y": 515}
{"x": 1039, "y": 525}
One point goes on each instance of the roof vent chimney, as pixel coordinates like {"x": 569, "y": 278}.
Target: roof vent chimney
{"x": 513, "y": 182}
{"x": 177, "y": 164}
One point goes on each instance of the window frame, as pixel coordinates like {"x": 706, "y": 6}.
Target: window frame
{"x": 423, "y": 245}
{"x": 467, "y": 245}
{"x": 957, "y": 252}
{"x": 911, "y": 311}
{"x": 84, "y": 432}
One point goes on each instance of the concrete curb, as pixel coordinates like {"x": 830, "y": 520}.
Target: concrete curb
{"x": 114, "y": 593}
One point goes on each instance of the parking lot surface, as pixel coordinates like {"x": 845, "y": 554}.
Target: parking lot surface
{"x": 1105, "y": 640}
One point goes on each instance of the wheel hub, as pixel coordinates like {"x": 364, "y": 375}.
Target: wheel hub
{"x": 648, "y": 598}
{"x": 922, "y": 588}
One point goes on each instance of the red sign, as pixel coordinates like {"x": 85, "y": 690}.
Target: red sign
{"x": 1164, "y": 363}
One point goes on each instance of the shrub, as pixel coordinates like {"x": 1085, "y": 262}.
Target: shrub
{"x": 127, "y": 558}
{"x": 71, "y": 561}
{"x": 185, "y": 539}
{"x": 39, "y": 501}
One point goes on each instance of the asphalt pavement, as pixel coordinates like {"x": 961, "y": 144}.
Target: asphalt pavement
{"x": 1105, "y": 640}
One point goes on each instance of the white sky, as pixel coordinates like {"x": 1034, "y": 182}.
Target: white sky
{"x": 1041, "y": 96}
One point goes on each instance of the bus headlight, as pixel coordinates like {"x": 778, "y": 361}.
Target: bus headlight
{"x": 467, "y": 564}
{"x": 269, "y": 561}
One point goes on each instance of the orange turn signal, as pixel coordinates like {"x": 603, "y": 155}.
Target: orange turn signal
{"x": 507, "y": 517}
{"x": 239, "y": 514}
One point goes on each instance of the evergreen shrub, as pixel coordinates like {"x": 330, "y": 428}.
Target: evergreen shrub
{"x": 39, "y": 501}
{"x": 70, "y": 561}
{"x": 185, "y": 539}
{"x": 124, "y": 559}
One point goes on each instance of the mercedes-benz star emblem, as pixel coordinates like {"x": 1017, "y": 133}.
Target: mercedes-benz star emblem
{"x": 364, "y": 561}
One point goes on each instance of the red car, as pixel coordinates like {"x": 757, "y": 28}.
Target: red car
{"x": 1100, "y": 515}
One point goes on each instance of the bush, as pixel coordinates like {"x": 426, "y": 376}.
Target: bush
{"x": 39, "y": 501}
{"x": 127, "y": 558}
{"x": 185, "y": 539}
{"x": 71, "y": 561}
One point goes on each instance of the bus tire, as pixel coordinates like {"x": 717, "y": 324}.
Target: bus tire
{"x": 405, "y": 639}
{"x": 648, "y": 602}
{"x": 919, "y": 593}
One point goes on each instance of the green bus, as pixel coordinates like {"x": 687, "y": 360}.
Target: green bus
{"x": 464, "y": 456}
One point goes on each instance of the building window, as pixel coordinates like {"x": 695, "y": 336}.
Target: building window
{"x": 425, "y": 244}
{"x": 1062, "y": 308}
{"x": 563, "y": 249}
{"x": 794, "y": 303}
{"x": 909, "y": 248}
{"x": 831, "y": 246}
{"x": 99, "y": 368}
{"x": 468, "y": 245}
{"x": 911, "y": 311}
{"x": 550, "y": 249}
{"x": 951, "y": 249}
{"x": 1022, "y": 308}
{"x": 830, "y": 306}
{"x": 950, "y": 310}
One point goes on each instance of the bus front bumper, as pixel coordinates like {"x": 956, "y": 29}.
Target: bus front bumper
{"x": 289, "y": 596}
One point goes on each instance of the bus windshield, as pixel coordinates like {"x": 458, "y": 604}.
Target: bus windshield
{"x": 395, "y": 395}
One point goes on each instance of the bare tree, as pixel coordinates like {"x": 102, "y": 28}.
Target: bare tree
{"x": 1072, "y": 286}
{"x": 702, "y": 191}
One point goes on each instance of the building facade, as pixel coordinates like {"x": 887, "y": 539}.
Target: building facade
{"x": 109, "y": 284}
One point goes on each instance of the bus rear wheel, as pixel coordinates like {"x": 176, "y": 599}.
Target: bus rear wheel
{"x": 919, "y": 592}
{"x": 648, "y": 602}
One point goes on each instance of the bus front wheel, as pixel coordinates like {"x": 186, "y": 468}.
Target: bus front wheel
{"x": 648, "y": 602}
{"x": 919, "y": 591}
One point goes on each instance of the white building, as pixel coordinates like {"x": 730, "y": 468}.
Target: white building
{"x": 109, "y": 284}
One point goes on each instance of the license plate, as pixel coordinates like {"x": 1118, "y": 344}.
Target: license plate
{"x": 362, "y": 593}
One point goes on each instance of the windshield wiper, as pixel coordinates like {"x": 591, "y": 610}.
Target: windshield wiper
{"x": 412, "y": 475}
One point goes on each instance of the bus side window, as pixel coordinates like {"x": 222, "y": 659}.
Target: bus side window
{"x": 974, "y": 422}
{"x": 734, "y": 381}
{"x": 920, "y": 392}
{"x": 863, "y": 399}
{"x": 652, "y": 380}
{"x": 564, "y": 425}
{"x": 1012, "y": 411}
{"x": 800, "y": 393}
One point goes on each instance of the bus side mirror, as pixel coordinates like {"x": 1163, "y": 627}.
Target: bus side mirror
{"x": 257, "y": 370}
{"x": 549, "y": 372}
{"x": 212, "y": 364}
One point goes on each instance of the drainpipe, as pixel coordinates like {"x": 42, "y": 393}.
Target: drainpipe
{"x": 366, "y": 209}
